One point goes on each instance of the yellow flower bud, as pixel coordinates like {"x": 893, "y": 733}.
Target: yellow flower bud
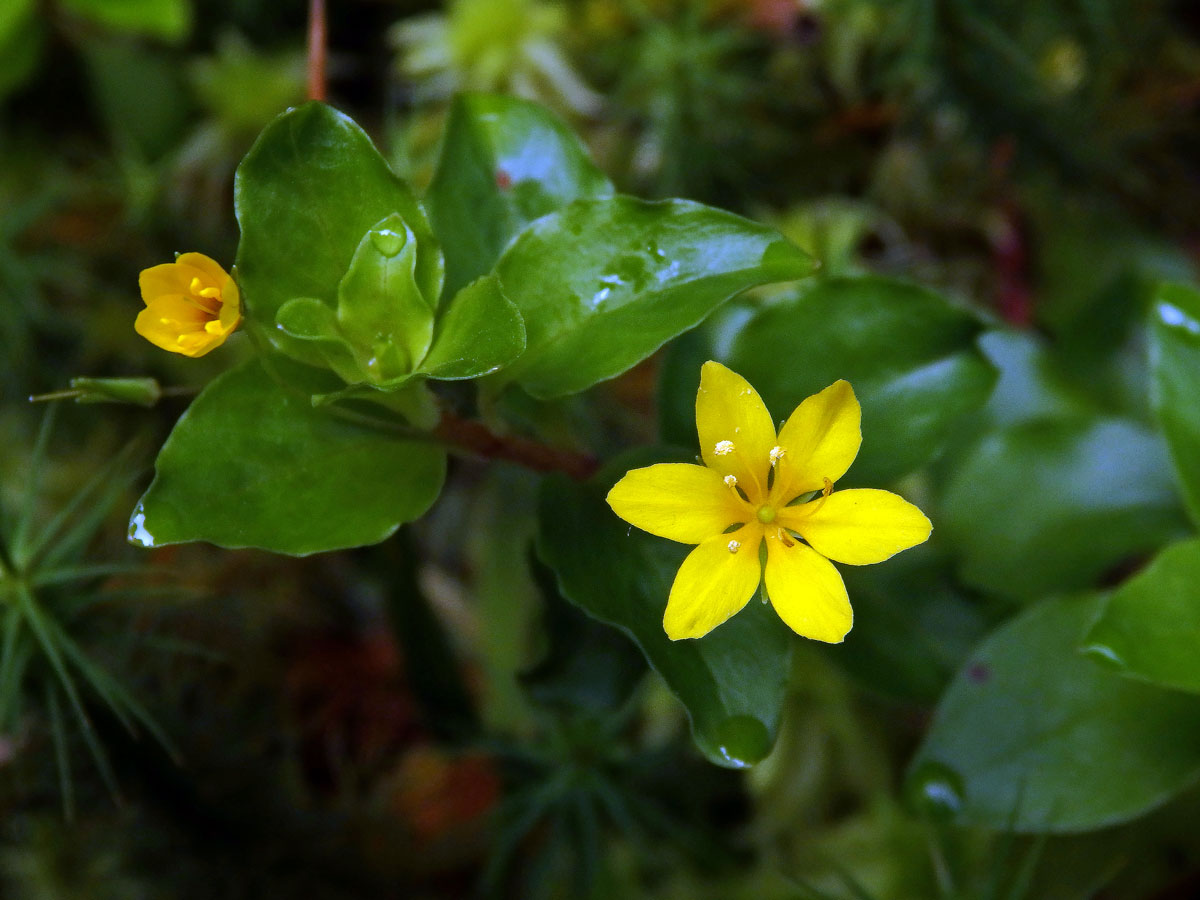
{"x": 192, "y": 305}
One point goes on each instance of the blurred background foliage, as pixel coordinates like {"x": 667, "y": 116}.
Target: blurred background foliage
{"x": 428, "y": 718}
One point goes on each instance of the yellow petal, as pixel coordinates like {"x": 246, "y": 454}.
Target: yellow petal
{"x": 807, "y": 591}
{"x": 174, "y": 324}
{"x": 168, "y": 279}
{"x": 678, "y": 501}
{"x": 713, "y": 583}
{"x": 736, "y": 431}
{"x": 209, "y": 270}
{"x": 858, "y": 527}
{"x": 819, "y": 440}
{"x": 231, "y": 306}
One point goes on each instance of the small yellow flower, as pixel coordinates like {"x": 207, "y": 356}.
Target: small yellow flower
{"x": 757, "y": 487}
{"x": 192, "y": 305}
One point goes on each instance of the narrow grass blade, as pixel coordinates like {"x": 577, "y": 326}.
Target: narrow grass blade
{"x": 37, "y": 463}
{"x": 808, "y": 892}
{"x": 1024, "y": 878}
{"x": 120, "y": 700}
{"x": 66, "y": 574}
{"x": 37, "y": 625}
{"x": 100, "y": 492}
{"x": 62, "y": 755}
{"x": 10, "y": 682}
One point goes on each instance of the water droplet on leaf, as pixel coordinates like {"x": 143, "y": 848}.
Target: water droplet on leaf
{"x": 935, "y": 790}
{"x": 743, "y": 741}
{"x": 388, "y": 241}
{"x": 137, "y": 529}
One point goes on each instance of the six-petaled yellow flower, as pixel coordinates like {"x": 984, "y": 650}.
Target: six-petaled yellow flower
{"x": 760, "y": 488}
{"x": 192, "y": 305}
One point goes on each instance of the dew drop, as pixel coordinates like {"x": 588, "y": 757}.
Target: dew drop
{"x": 935, "y": 790}
{"x": 742, "y": 741}
{"x": 1106, "y": 655}
{"x": 137, "y": 529}
{"x": 388, "y": 241}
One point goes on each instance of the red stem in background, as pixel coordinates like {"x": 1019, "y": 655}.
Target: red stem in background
{"x": 1010, "y": 246}
{"x": 316, "y": 50}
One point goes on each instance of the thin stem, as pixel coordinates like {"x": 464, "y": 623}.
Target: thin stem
{"x": 316, "y": 50}
{"x": 477, "y": 439}
{"x": 56, "y": 395}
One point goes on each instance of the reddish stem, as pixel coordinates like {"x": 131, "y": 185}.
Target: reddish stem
{"x": 477, "y": 439}
{"x": 1010, "y": 247}
{"x": 316, "y": 50}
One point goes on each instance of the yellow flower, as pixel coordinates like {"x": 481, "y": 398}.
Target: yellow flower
{"x": 192, "y": 305}
{"x": 757, "y": 488}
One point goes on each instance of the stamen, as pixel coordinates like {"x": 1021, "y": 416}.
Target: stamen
{"x": 777, "y": 453}
{"x": 819, "y": 502}
{"x": 734, "y": 546}
{"x": 731, "y": 481}
{"x": 723, "y": 448}
{"x": 210, "y": 293}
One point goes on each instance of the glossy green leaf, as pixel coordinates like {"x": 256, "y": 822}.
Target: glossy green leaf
{"x": 1150, "y": 628}
{"x": 1175, "y": 368}
{"x": 1053, "y": 505}
{"x": 253, "y": 464}
{"x": 504, "y": 162}
{"x": 479, "y": 332}
{"x": 380, "y": 303}
{"x": 912, "y": 626}
{"x": 909, "y": 354}
{"x": 732, "y": 681}
{"x": 1028, "y": 387}
{"x": 1035, "y": 736}
{"x": 169, "y": 19}
{"x": 383, "y": 322}
{"x": 309, "y": 189}
{"x": 604, "y": 283}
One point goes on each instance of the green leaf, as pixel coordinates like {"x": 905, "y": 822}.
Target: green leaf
{"x": 309, "y": 189}
{"x": 479, "y": 332}
{"x": 604, "y": 283}
{"x": 253, "y": 464}
{"x": 1053, "y": 505}
{"x": 380, "y": 304}
{"x": 383, "y": 323}
{"x": 168, "y": 19}
{"x": 909, "y": 354}
{"x": 731, "y": 681}
{"x": 1028, "y": 387}
{"x": 1175, "y": 373}
{"x": 14, "y": 16}
{"x": 21, "y": 43}
{"x": 912, "y": 628}
{"x": 504, "y": 162}
{"x": 1044, "y": 739}
{"x": 1150, "y": 628}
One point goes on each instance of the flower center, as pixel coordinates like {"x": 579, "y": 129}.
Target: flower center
{"x": 766, "y": 514}
{"x": 207, "y": 298}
